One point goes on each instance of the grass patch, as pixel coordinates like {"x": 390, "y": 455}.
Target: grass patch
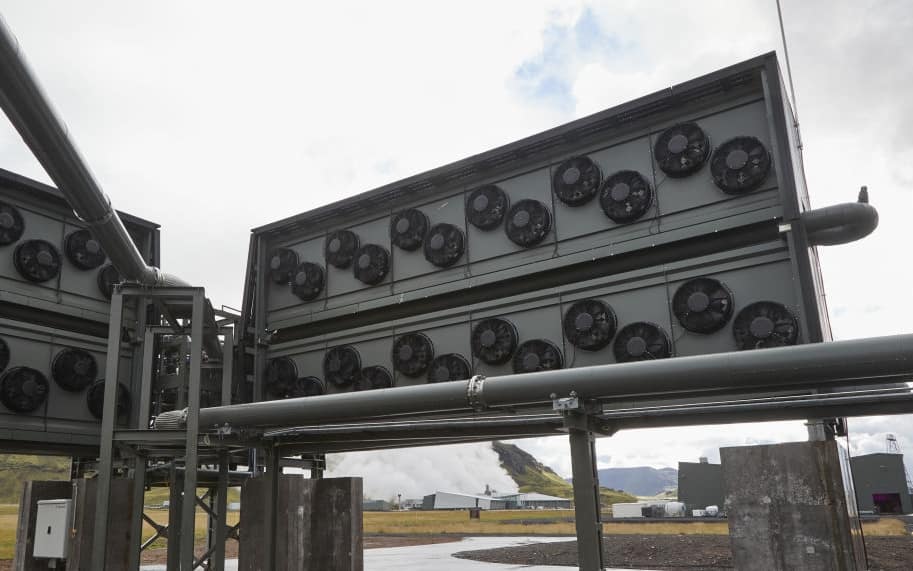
{"x": 884, "y": 526}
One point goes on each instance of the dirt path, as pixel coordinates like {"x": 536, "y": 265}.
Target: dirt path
{"x": 675, "y": 552}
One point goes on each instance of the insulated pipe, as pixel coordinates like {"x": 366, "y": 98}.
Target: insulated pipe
{"x": 861, "y": 361}
{"x": 30, "y": 112}
{"x": 841, "y": 223}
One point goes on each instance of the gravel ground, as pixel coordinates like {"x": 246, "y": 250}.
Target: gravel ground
{"x": 676, "y": 552}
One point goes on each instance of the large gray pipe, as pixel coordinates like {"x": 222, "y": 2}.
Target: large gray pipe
{"x": 23, "y": 101}
{"x": 819, "y": 365}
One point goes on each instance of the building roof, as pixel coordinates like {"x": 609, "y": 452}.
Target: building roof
{"x": 474, "y": 496}
{"x": 533, "y": 497}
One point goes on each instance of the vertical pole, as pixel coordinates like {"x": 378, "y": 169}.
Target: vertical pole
{"x": 189, "y": 509}
{"x": 274, "y": 470}
{"x": 106, "y": 456}
{"x": 228, "y": 354}
{"x": 145, "y": 394}
{"x": 175, "y": 505}
{"x": 220, "y": 503}
{"x": 136, "y": 522}
{"x": 586, "y": 500}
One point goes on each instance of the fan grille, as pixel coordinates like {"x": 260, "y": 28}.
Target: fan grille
{"x": 494, "y": 340}
{"x": 11, "y": 224}
{"x": 304, "y": 387}
{"x": 339, "y": 249}
{"x": 528, "y": 223}
{"x": 576, "y": 181}
{"x": 341, "y": 365}
{"x": 486, "y": 207}
{"x": 641, "y": 341}
{"x": 740, "y": 165}
{"x": 74, "y": 369}
{"x": 280, "y": 373}
{"x": 444, "y": 246}
{"x": 412, "y": 354}
{"x": 625, "y": 196}
{"x": 682, "y": 149}
{"x": 449, "y": 367}
{"x": 372, "y": 262}
{"x": 23, "y": 389}
{"x": 83, "y": 250}
{"x": 408, "y": 229}
{"x": 307, "y": 281}
{"x": 765, "y": 324}
{"x": 537, "y": 355}
{"x": 37, "y": 260}
{"x": 282, "y": 262}
{"x": 108, "y": 277}
{"x": 374, "y": 377}
{"x": 702, "y": 305}
{"x": 589, "y": 324}
{"x": 95, "y": 399}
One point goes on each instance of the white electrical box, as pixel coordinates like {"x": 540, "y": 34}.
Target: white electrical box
{"x": 52, "y": 528}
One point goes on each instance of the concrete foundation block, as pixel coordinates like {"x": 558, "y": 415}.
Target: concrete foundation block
{"x": 787, "y": 507}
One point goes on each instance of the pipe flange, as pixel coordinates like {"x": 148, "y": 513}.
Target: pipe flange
{"x": 474, "y": 393}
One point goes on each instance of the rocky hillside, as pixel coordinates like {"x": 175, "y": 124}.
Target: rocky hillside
{"x": 533, "y": 476}
{"x": 16, "y": 469}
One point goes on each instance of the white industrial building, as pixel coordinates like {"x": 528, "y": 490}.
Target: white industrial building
{"x": 459, "y": 501}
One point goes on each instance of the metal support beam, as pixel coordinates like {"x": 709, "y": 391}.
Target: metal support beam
{"x": 109, "y": 417}
{"x": 136, "y": 526}
{"x": 587, "y": 509}
{"x": 188, "y": 511}
{"x": 220, "y": 503}
{"x": 175, "y": 508}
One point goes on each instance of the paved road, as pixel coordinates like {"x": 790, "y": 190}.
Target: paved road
{"x": 437, "y": 556}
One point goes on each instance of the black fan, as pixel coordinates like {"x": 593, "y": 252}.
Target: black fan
{"x": 23, "y": 389}
{"x": 765, "y": 324}
{"x": 74, "y": 369}
{"x": 412, "y": 353}
{"x": 83, "y": 250}
{"x": 372, "y": 262}
{"x": 282, "y": 263}
{"x": 303, "y": 387}
{"x": 740, "y": 165}
{"x": 444, "y": 245}
{"x": 625, "y": 196}
{"x": 95, "y": 399}
{"x": 374, "y": 377}
{"x": 11, "y": 224}
{"x": 449, "y": 367}
{"x": 537, "y": 355}
{"x": 486, "y": 207}
{"x": 37, "y": 260}
{"x": 494, "y": 340}
{"x": 108, "y": 277}
{"x": 528, "y": 223}
{"x": 340, "y": 248}
{"x": 702, "y": 305}
{"x": 590, "y": 324}
{"x": 408, "y": 228}
{"x": 307, "y": 281}
{"x": 280, "y": 372}
{"x": 641, "y": 341}
{"x": 576, "y": 181}
{"x": 682, "y": 149}
{"x": 341, "y": 365}
{"x": 4, "y": 355}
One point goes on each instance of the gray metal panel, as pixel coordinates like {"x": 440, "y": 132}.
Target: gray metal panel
{"x": 880, "y": 473}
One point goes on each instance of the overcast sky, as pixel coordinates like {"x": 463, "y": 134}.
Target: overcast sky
{"x": 212, "y": 118}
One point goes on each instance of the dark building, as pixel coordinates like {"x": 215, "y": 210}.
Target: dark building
{"x": 881, "y": 483}
{"x": 700, "y": 485}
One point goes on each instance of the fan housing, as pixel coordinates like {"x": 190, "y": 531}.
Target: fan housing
{"x": 412, "y": 354}
{"x": 528, "y": 223}
{"x": 37, "y": 260}
{"x": 108, "y": 277}
{"x": 74, "y": 369}
{"x": 11, "y": 224}
{"x": 641, "y": 341}
{"x": 408, "y": 229}
{"x": 682, "y": 149}
{"x": 537, "y": 355}
{"x": 740, "y": 165}
{"x": 282, "y": 263}
{"x": 308, "y": 280}
{"x": 486, "y": 207}
{"x": 589, "y": 324}
{"x": 494, "y": 340}
{"x": 339, "y": 249}
{"x": 765, "y": 324}
{"x": 449, "y": 367}
{"x": 372, "y": 262}
{"x": 83, "y": 250}
{"x": 23, "y": 389}
{"x": 444, "y": 246}
{"x": 373, "y": 377}
{"x": 341, "y": 365}
{"x": 576, "y": 181}
{"x": 702, "y": 305}
{"x": 95, "y": 399}
{"x": 625, "y": 196}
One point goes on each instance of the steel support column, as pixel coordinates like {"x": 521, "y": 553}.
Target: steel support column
{"x": 188, "y": 510}
{"x": 176, "y": 503}
{"x": 220, "y": 504}
{"x": 587, "y": 510}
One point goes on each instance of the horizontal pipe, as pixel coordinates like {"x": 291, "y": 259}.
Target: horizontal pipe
{"x": 841, "y": 223}
{"x": 820, "y": 365}
{"x": 30, "y": 112}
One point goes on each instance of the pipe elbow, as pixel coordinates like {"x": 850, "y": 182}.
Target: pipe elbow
{"x": 840, "y": 223}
